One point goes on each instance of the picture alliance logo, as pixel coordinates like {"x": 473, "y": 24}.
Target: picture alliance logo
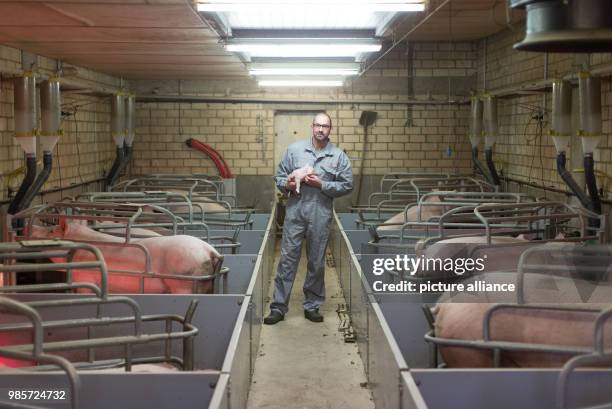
{"x": 413, "y": 265}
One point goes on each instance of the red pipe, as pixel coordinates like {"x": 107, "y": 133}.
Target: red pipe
{"x": 222, "y": 167}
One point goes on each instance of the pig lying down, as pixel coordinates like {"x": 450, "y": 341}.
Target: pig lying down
{"x": 561, "y": 328}
{"x": 170, "y": 255}
{"x": 461, "y": 316}
{"x": 412, "y": 215}
{"x": 300, "y": 174}
{"x": 503, "y": 255}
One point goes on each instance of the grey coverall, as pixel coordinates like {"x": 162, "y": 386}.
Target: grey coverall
{"x": 309, "y": 215}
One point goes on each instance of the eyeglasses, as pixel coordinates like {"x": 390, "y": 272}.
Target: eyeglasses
{"x": 321, "y": 126}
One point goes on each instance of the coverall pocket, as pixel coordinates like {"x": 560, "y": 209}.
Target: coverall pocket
{"x": 327, "y": 174}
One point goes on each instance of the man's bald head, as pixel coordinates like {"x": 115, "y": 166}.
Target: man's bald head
{"x": 322, "y": 115}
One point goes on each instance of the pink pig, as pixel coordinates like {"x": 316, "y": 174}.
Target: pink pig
{"x": 180, "y": 254}
{"x": 299, "y": 174}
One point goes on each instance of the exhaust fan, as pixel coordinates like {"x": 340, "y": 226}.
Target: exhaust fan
{"x": 572, "y": 26}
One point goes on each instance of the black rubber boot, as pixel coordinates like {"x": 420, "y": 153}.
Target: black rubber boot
{"x": 274, "y": 317}
{"x": 313, "y": 315}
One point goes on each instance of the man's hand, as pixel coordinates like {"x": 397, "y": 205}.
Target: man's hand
{"x": 291, "y": 185}
{"x": 313, "y": 180}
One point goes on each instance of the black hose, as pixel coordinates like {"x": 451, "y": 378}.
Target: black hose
{"x": 591, "y": 182}
{"x": 113, "y": 174}
{"x": 127, "y": 156}
{"x": 28, "y": 179}
{"x": 479, "y": 165}
{"x": 491, "y": 166}
{"x": 40, "y": 180}
{"x": 571, "y": 183}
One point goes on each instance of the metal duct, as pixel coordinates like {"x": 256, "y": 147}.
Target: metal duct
{"x": 51, "y": 120}
{"x": 24, "y": 96}
{"x": 561, "y": 126}
{"x": 475, "y": 134}
{"x": 130, "y": 112}
{"x": 129, "y": 132}
{"x": 589, "y": 88}
{"x": 118, "y": 134}
{"x": 24, "y": 99}
{"x": 560, "y": 131}
{"x": 590, "y": 130}
{"x": 475, "y": 121}
{"x": 490, "y": 130}
{"x": 51, "y": 113}
{"x": 576, "y": 26}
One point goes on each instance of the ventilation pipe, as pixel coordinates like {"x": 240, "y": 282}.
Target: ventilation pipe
{"x": 24, "y": 98}
{"x": 129, "y": 132}
{"x": 51, "y": 122}
{"x": 476, "y": 133}
{"x": 560, "y": 131}
{"x": 577, "y": 26}
{"x": 590, "y": 130}
{"x": 491, "y": 132}
{"x": 118, "y": 134}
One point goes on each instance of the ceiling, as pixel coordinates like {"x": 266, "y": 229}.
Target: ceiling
{"x": 461, "y": 20}
{"x": 167, "y": 39}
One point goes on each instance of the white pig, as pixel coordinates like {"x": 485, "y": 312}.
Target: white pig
{"x": 300, "y": 174}
{"x": 464, "y": 321}
{"x": 504, "y": 256}
{"x": 427, "y": 212}
{"x": 460, "y": 316}
{"x": 175, "y": 255}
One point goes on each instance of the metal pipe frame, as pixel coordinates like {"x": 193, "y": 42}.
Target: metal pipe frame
{"x": 527, "y": 212}
{"x": 411, "y": 190}
{"x": 165, "y": 200}
{"x": 13, "y": 250}
{"x": 446, "y": 199}
{"x": 147, "y": 272}
{"x": 393, "y": 177}
{"x": 37, "y": 352}
{"x": 38, "y": 249}
{"x": 126, "y": 215}
{"x": 376, "y": 350}
{"x": 90, "y": 344}
{"x": 560, "y": 253}
{"x": 191, "y": 185}
{"x": 246, "y": 331}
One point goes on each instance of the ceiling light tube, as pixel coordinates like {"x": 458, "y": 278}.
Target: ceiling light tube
{"x": 300, "y": 83}
{"x": 258, "y": 7}
{"x": 344, "y": 72}
{"x": 327, "y": 2}
{"x": 300, "y": 49}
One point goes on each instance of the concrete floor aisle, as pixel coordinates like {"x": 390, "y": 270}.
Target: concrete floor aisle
{"x": 306, "y": 365}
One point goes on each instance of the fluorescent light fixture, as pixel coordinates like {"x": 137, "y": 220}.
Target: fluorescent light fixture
{"x": 326, "y": 2}
{"x": 300, "y": 83}
{"x": 303, "y": 49}
{"x": 344, "y": 72}
{"x": 331, "y": 7}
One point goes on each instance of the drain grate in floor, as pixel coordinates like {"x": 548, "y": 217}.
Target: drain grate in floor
{"x": 344, "y": 325}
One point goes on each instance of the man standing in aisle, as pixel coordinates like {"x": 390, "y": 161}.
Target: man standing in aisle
{"x": 308, "y": 215}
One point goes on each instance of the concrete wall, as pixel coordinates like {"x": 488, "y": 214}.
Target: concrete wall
{"x": 85, "y": 151}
